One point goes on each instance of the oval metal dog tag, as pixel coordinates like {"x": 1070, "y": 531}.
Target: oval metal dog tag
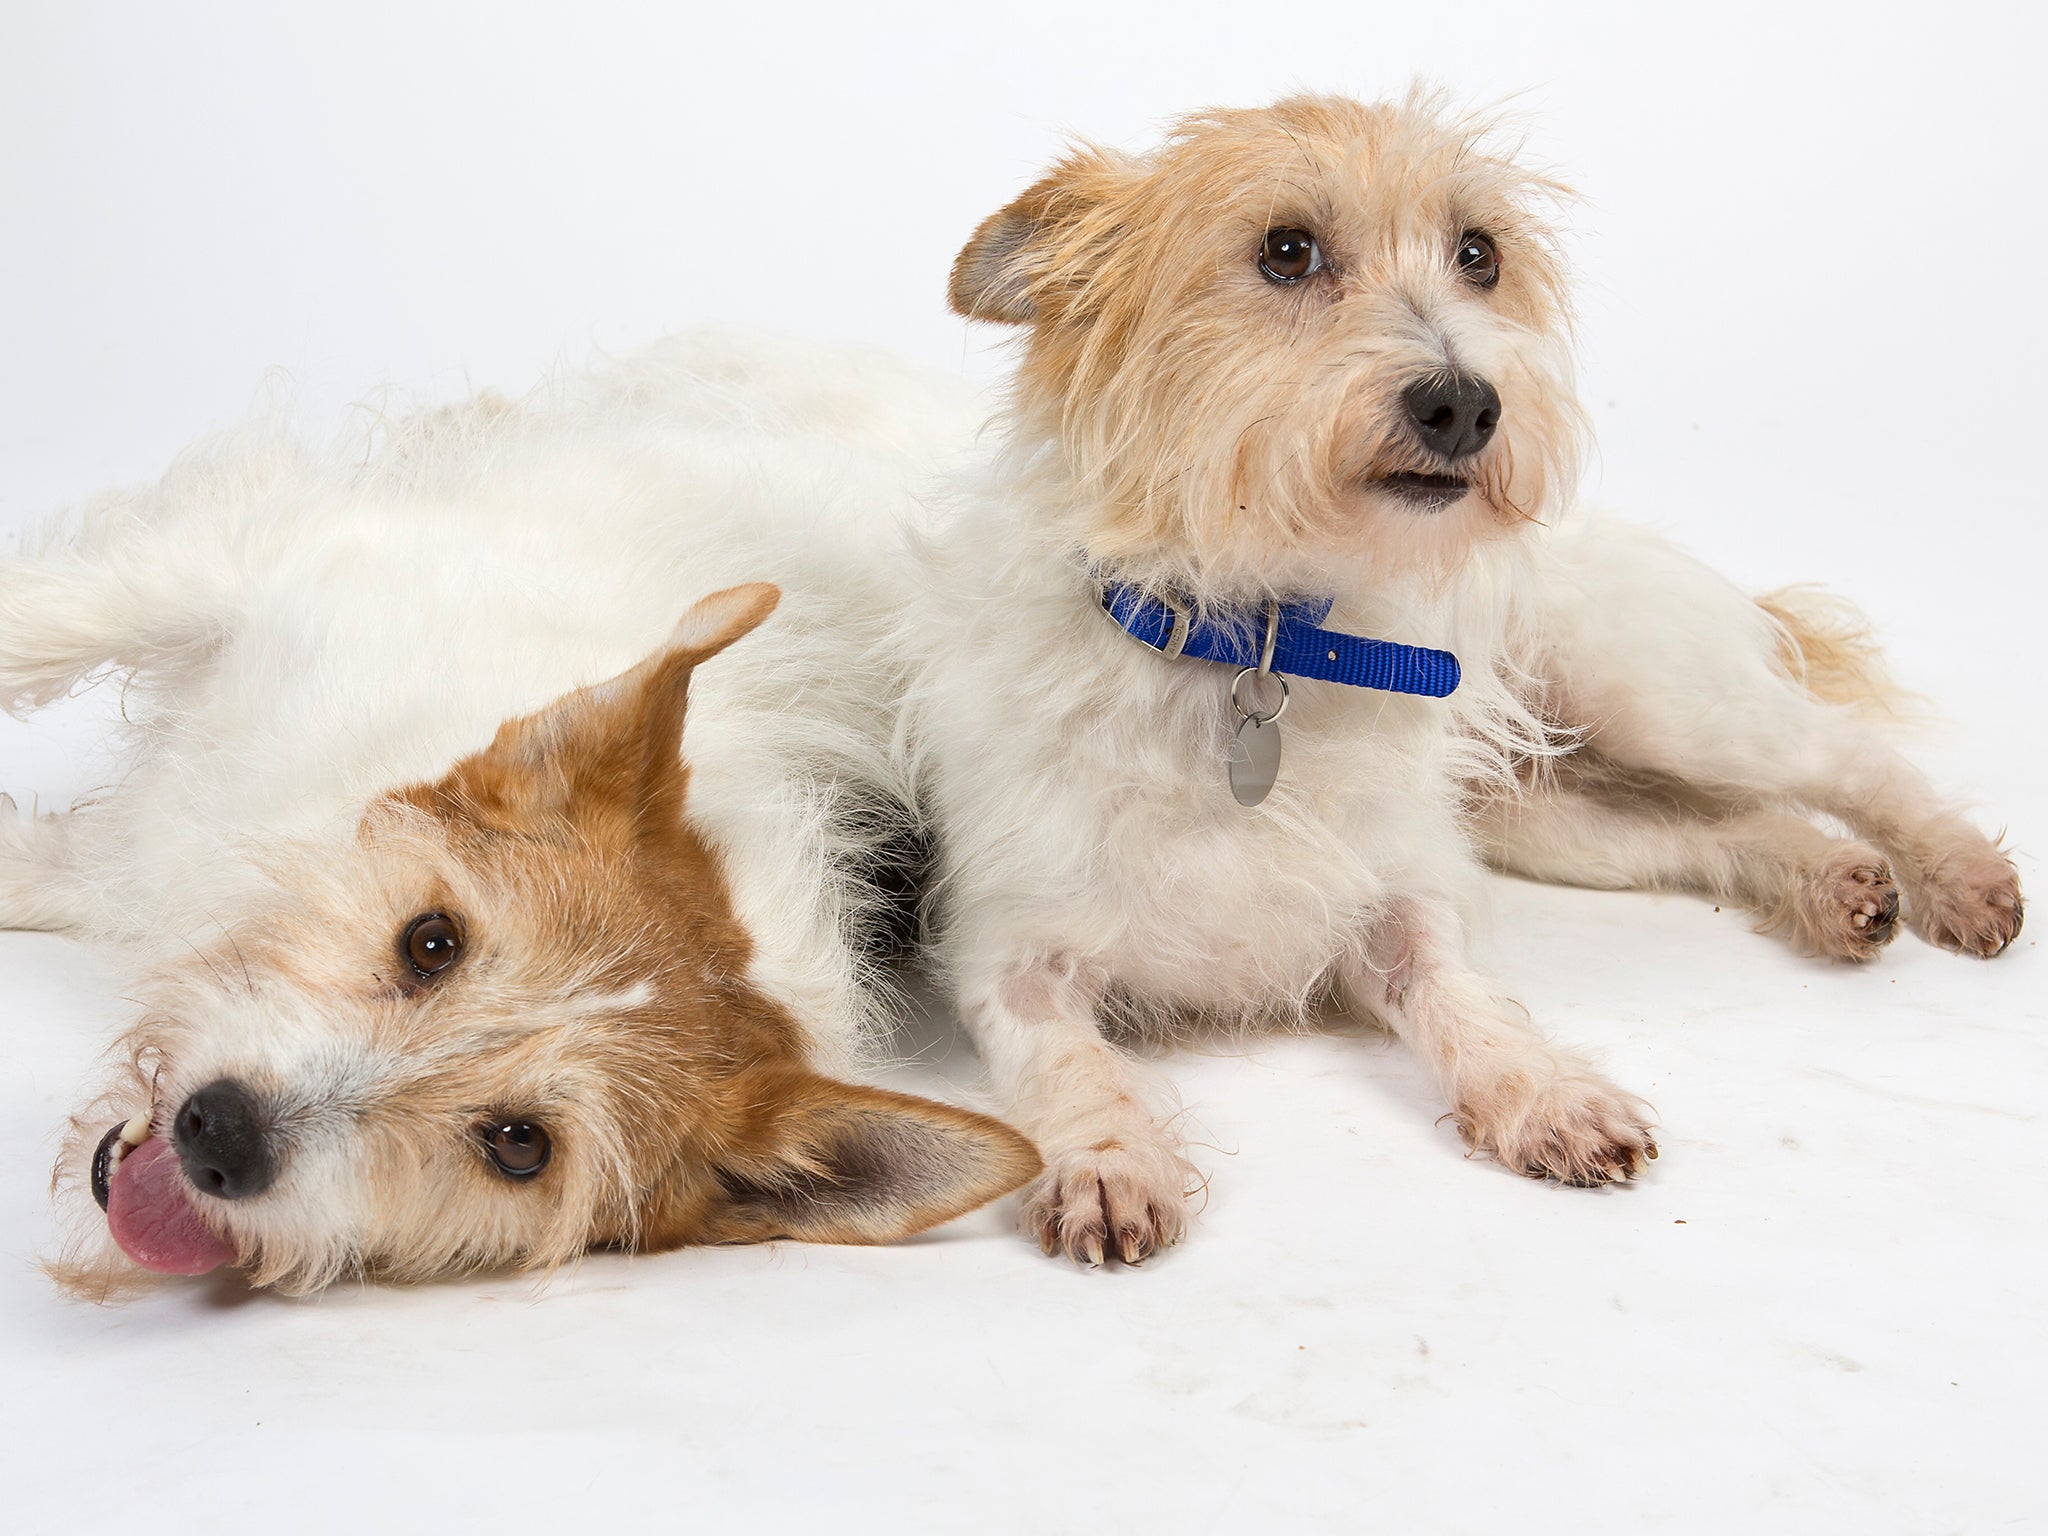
{"x": 1254, "y": 759}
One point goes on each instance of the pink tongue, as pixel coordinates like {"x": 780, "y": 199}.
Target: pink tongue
{"x": 153, "y": 1221}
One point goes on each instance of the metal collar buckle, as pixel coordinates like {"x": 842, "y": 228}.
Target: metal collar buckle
{"x": 1176, "y": 639}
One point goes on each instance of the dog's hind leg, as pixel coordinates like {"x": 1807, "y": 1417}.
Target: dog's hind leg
{"x": 37, "y": 888}
{"x": 1115, "y": 1183}
{"x": 1671, "y": 672}
{"x": 1829, "y": 896}
{"x": 1536, "y": 1108}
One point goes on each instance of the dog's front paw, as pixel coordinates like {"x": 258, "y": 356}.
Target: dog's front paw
{"x": 1121, "y": 1197}
{"x": 1574, "y": 1127}
{"x": 1970, "y": 902}
{"x": 1850, "y": 909}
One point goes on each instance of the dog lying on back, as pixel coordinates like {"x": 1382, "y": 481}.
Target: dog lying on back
{"x": 452, "y": 946}
{"x": 1291, "y": 426}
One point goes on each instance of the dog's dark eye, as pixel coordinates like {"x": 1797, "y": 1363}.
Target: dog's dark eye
{"x": 430, "y": 944}
{"x": 1289, "y": 255}
{"x": 1478, "y": 260}
{"x": 518, "y": 1147}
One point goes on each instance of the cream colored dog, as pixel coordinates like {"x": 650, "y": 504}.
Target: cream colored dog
{"x": 1291, "y": 387}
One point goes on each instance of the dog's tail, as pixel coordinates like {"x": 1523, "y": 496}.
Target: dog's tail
{"x": 1826, "y": 645}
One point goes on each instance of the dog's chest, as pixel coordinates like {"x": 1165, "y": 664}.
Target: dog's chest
{"x": 1118, "y": 834}
{"x": 1082, "y": 787}
{"x": 1266, "y": 898}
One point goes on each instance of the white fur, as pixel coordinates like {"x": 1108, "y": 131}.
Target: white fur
{"x": 308, "y": 632}
{"x": 300, "y": 634}
{"x": 1095, "y": 864}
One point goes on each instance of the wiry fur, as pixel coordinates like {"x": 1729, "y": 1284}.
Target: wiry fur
{"x": 941, "y": 668}
{"x": 1179, "y": 421}
{"x": 386, "y": 683}
{"x": 1828, "y": 647}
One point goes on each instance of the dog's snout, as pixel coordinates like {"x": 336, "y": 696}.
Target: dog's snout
{"x": 223, "y": 1142}
{"x": 1454, "y": 413}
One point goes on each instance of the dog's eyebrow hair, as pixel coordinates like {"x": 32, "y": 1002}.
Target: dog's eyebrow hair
{"x": 1311, "y": 159}
{"x": 1312, "y": 206}
{"x": 1273, "y": 201}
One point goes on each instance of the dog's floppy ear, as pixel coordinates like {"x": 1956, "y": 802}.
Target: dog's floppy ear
{"x": 616, "y": 745}
{"x": 832, "y": 1162}
{"x": 1001, "y": 273}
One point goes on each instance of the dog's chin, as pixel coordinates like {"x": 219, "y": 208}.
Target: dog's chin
{"x": 1420, "y": 492}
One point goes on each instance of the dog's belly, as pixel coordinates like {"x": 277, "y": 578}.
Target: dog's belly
{"x": 1239, "y": 973}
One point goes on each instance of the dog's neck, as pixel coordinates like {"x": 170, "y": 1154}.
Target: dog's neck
{"x": 1275, "y": 636}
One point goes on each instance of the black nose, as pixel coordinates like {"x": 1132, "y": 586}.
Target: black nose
{"x": 221, "y": 1140}
{"x": 1454, "y": 413}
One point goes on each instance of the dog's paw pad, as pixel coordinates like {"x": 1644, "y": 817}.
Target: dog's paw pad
{"x": 1577, "y": 1129}
{"x": 1971, "y": 905}
{"x": 1119, "y": 1199}
{"x": 1855, "y": 904}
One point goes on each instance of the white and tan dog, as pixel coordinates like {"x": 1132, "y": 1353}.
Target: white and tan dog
{"x": 1293, "y": 388}
{"x": 1316, "y": 355}
{"x": 444, "y": 957}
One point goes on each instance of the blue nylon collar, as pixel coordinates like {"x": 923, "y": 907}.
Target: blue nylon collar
{"x": 1300, "y": 648}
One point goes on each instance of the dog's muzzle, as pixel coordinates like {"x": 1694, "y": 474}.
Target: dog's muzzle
{"x": 1451, "y": 417}
{"x": 220, "y": 1145}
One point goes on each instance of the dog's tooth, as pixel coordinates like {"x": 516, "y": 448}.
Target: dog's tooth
{"x": 136, "y": 1131}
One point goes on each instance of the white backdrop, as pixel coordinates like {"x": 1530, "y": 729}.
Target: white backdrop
{"x": 1809, "y": 259}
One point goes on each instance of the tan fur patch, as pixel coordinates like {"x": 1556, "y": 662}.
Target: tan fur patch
{"x": 1213, "y": 416}
{"x": 1827, "y": 646}
{"x": 600, "y": 993}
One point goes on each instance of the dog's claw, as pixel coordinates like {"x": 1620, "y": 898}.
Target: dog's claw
{"x": 1849, "y": 905}
{"x": 1580, "y": 1131}
{"x": 1971, "y": 904}
{"x": 1124, "y": 1201}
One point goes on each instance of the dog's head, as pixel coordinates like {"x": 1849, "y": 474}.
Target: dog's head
{"x": 507, "y": 1019}
{"x": 1317, "y": 334}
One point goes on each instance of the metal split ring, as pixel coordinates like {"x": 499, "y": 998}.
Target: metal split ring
{"x": 1252, "y": 714}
